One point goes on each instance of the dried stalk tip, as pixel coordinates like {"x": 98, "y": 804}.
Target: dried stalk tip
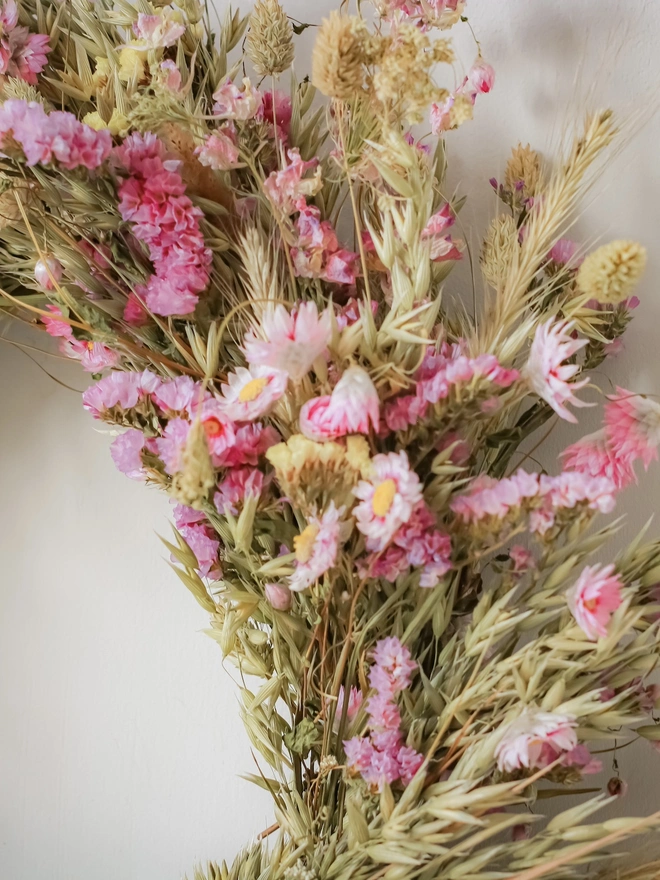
{"x": 499, "y": 249}
{"x": 524, "y": 171}
{"x": 610, "y": 273}
{"x": 341, "y": 52}
{"x": 197, "y": 476}
{"x": 269, "y": 42}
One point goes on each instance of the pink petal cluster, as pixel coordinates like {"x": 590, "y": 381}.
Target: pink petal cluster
{"x": 94, "y": 357}
{"x": 287, "y": 187}
{"x": 479, "y": 81}
{"x": 22, "y": 54}
{"x": 157, "y": 31}
{"x": 290, "y": 341}
{"x": 277, "y": 111}
{"x": 200, "y": 537}
{"x": 437, "y": 13}
{"x": 317, "y": 253}
{"x": 488, "y": 497}
{"x": 443, "y": 247}
{"x": 355, "y": 700}
{"x": 382, "y": 757}
{"x": 231, "y": 102}
{"x": 535, "y": 739}
{"x": 546, "y": 372}
{"x": 564, "y": 252}
{"x": 239, "y": 484}
{"x": 387, "y": 500}
{"x": 126, "y": 452}
{"x": 352, "y": 408}
{"x": 153, "y": 200}
{"x": 169, "y": 75}
{"x": 593, "y": 599}
{"x": 438, "y": 374}
{"x": 220, "y": 150}
{"x": 278, "y": 596}
{"x": 119, "y": 389}
{"x": 316, "y": 549}
{"x": 594, "y": 456}
{"x": 47, "y": 137}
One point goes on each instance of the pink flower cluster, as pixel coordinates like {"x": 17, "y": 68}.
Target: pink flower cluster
{"x": 382, "y": 757}
{"x": 352, "y": 408}
{"x": 239, "y": 484}
{"x": 542, "y": 496}
{"x": 22, "y": 54}
{"x": 631, "y": 432}
{"x": 220, "y": 149}
{"x": 443, "y": 247}
{"x": 439, "y": 13}
{"x": 94, "y": 357}
{"x": 153, "y": 200}
{"x": 480, "y": 80}
{"x": 201, "y": 539}
{"x": 593, "y": 599}
{"x": 438, "y": 374}
{"x": 47, "y": 137}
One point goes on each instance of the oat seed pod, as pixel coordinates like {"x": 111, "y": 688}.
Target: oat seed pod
{"x": 197, "y": 476}
{"x": 524, "y": 170}
{"x": 498, "y": 249}
{"x": 340, "y": 54}
{"x": 269, "y": 42}
{"x": 610, "y": 273}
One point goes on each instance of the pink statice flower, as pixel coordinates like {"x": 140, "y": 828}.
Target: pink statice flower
{"x": 250, "y": 394}
{"x": 393, "y": 660}
{"x": 290, "y": 341}
{"x": 279, "y": 597}
{"x": 135, "y": 313}
{"x": 317, "y": 253}
{"x": 157, "y": 31}
{"x": 352, "y": 408}
{"x": 118, "y": 389}
{"x": 404, "y": 411}
{"x": 231, "y": 102}
{"x": 388, "y": 500}
{"x": 316, "y": 548}
{"x": 126, "y": 452}
{"x": 54, "y": 326}
{"x": 355, "y": 700}
{"x": 250, "y": 442}
{"x": 568, "y": 490}
{"x": 593, "y": 455}
{"x": 409, "y": 761}
{"x": 535, "y": 739}
{"x": 632, "y": 426}
{"x": 287, "y": 187}
{"x": 488, "y": 497}
{"x": 546, "y": 372}
{"x": 170, "y": 446}
{"x": 219, "y": 151}
{"x": 205, "y": 546}
{"x": 22, "y": 54}
{"x": 594, "y": 598}
{"x": 175, "y": 395}
{"x": 239, "y": 484}
{"x": 48, "y": 272}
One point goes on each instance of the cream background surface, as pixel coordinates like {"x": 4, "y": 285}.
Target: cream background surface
{"x": 120, "y": 742}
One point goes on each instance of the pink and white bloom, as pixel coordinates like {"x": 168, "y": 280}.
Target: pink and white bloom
{"x": 352, "y": 408}
{"x": 480, "y": 78}
{"x": 126, "y": 452}
{"x": 547, "y": 374}
{"x": 288, "y": 188}
{"x": 119, "y": 389}
{"x": 316, "y": 548}
{"x": 290, "y": 341}
{"x": 54, "y": 326}
{"x": 239, "y": 484}
{"x": 176, "y": 395}
{"x": 231, "y": 102}
{"x": 534, "y": 740}
{"x": 94, "y": 357}
{"x": 251, "y": 393}
{"x": 278, "y": 596}
{"x": 632, "y": 426}
{"x": 250, "y": 443}
{"x": 593, "y": 599}
{"x": 593, "y": 455}
{"x": 388, "y": 500}
{"x": 219, "y": 429}
{"x": 48, "y": 273}
{"x": 157, "y": 31}
{"x": 219, "y": 152}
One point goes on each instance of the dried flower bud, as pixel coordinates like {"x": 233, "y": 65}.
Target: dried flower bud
{"x": 269, "y": 43}
{"x": 498, "y": 249}
{"x": 279, "y": 596}
{"x": 524, "y": 171}
{"x": 48, "y": 272}
{"x": 196, "y": 478}
{"x": 340, "y": 54}
{"x": 610, "y": 273}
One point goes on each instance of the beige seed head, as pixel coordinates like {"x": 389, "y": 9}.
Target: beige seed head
{"x": 610, "y": 273}
{"x": 524, "y": 167}
{"x": 498, "y": 250}
{"x": 197, "y": 477}
{"x": 340, "y": 54}
{"x": 461, "y": 111}
{"x": 269, "y": 42}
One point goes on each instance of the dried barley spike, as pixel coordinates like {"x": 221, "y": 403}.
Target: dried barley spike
{"x": 524, "y": 170}
{"x": 269, "y": 43}
{"x": 498, "y": 249}
{"x": 340, "y": 55}
{"x": 610, "y": 273}
{"x": 197, "y": 476}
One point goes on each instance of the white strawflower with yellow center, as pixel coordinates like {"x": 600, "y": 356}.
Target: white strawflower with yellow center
{"x": 610, "y": 273}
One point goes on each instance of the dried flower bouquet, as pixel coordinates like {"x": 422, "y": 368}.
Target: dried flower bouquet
{"x": 254, "y": 274}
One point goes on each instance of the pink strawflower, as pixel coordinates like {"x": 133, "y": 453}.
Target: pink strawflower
{"x": 171, "y": 445}
{"x": 480, "y": 78}
{"x": 632, "y": 426}
{"x": 278, "y": 596}
{"x": 353, "y": 408}
{"x": 219, "y": 429}
{"x": 290, "y": 341}
{"x": 534, "y": 740}
{"x": 594, "y": 598}
{"x": 288, "y": 187}
{"x": 219, "y": 151}
{"x": 157, "y": 31}
{"x": 55, "y": 327}
{"x": 175, "y": 395}
{"x": 547, "y": 374}
{"x": 239, "y": 484}
{"x": 387, "y": 500}
{"x": 231, "y": 102}
{"x": 126, "y": 452}
{"x": 135, "y": 313}
{"x": 252, "y": 393}
{"x": 316, "y": 548}
{"x": 593, "y": 455}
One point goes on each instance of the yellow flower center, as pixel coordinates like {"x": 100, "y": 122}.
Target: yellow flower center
{"x": 383, "y": 498}
{"x": 591, "y": 604}
{"x": 90, "y": 346}
{"x": 304, "y": 543}
{"x": 252, "y": 390}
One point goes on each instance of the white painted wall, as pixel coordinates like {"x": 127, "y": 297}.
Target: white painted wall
{"x": 120, "y": 742}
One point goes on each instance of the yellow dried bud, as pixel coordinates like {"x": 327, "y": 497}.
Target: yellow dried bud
{"x": 95, "y": 120}
{"x": 196, "y": 478}
{"x": 610, "y": 273}
{"x": 524, "y": 171}
{"x": 118, "y": 125}
{"x": 269, "y": 42}
{"x": 131, "y": 65}
{"x": 101, "y": 73}
{"x": 498, "y": 249}
{"x": 462, "y": 111}
{"x": 340, "y": 55}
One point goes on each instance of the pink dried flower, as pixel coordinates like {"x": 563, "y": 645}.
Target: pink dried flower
{"x": 278, "y": 596}
{"x": 219, "y": 151}
{"x": 409, "y": 761}
{"x": 547, "y": 374}
{"x": 394, "y": 659}
{"x": 231, "y": 102}
{"x": 126, "y": 452}
{"x": 135, "y": 313}
{"x": 157, "y": 31}
{"x": 387, "y": 500}
{"x": 287, "y": 187}
{"x": 175, "y": 395}
{"x": 205, "y": 547}
{"x": 481, "y": 77}
{"x": 594, "y": 456}
{"x": 94, "y": 357}
{"x": 239, "y": 484}
{"x": 252, "y": 393}
{"x": 488, "y": 497}
{"x": 170, "y": 75}
{"x": 522, "y": 559}
{"x": 171, "y": 445}
{"x": 291, "y": 341}
{"x": 277, "y": 111}
{"x": 563, "y": 253}
{"x": 22, "y": 54}
{"x": 118, "y": 389}
{"x": 440, "y": 222}
{"x": 355, "y": 700}
{"x": 316, "y": 548}
{"x": 534, "y": 740}
{"x": 404, "y": 411}
{"x": 250, "y": 443}
{"x": 218, "y": 428}
{"x": 632, "y": 426}
{"x": 594, "y": 598}
{"x": 353, "y": 408}
{"x": 568, "y": 490}
{"x": 55, "y": 327}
